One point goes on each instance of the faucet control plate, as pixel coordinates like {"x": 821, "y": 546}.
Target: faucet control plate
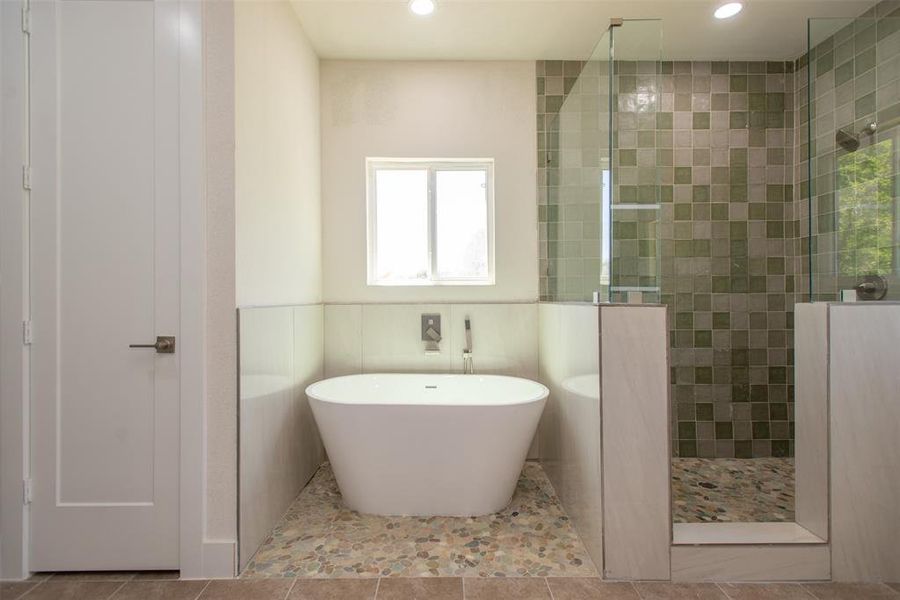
{"x": 433, "y": 322}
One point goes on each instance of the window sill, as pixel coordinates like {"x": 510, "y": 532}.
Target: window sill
{"x": 444, "y": 283}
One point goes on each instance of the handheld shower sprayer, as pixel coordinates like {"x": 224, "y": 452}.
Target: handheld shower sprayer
{"x": 468, "y": 361}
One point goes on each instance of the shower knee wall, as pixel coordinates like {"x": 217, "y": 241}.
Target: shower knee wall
{"x": 605, "y": 367}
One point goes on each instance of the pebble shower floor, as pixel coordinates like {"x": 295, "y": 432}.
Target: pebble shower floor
{"x": 732, "y": 490}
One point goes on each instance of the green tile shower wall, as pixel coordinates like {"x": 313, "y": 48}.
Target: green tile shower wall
{"x": 855, "y": 79}
{"x": 714, "y": 147}
{"x": 723, "y": 148}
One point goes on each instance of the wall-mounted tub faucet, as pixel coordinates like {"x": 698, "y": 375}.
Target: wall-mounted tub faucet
{"x": 431, "y": 332}
{"x": 468, "y": 361}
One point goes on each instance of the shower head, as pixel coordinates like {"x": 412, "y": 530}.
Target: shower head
{"x": 847, "y": 141}
{"x": 850, "y": 141}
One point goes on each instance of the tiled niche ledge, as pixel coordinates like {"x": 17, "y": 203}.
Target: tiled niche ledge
{"x": 691, "y": 534}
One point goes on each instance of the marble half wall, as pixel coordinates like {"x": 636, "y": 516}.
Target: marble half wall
{"x": 569, "y": 344}
{"x": 811, "y": 384}
{"x": 634, "y": 404}
{"x": 281, "y": 352}
{"x": 864, "y": 427}
{"x": 604, "y": 434}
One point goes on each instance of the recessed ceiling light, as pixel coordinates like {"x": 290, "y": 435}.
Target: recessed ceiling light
{"x": 421, "y": 7}
{"x": 728, "y": 10}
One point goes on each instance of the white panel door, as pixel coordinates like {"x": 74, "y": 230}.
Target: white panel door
{"x": 104, "y": 273}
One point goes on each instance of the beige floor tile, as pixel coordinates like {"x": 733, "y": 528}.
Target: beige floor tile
{"x": 73, "y": 590}
{"x": 421, "y": 588}
{"x": 334, "y": 589}
{"x": 652, "y": 590}
{"x": 851, "y": 591}
{"x": 11, "y": 590}
{"x": 584, "y": 588}
{"x": 766, "y": 591}
{"x": 245, "y": 589}
{"x": 507, "y": 588}
{"x": 160, "y": 590}
{"x": 93, "y": 576}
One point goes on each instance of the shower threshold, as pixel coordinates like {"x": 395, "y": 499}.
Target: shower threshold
{"x": 693, "y": 534}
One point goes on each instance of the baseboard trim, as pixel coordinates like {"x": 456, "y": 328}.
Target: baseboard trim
{"x": 219, "y": 559}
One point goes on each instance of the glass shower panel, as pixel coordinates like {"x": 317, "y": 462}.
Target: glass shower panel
{"x": 642, "y": 143}
{"x": 854, "y": 139}
{"x": 577, "y": 233}
{"x": 607, "y": 145}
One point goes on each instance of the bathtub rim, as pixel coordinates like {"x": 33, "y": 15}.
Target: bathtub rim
{"x": 542, "y": 392}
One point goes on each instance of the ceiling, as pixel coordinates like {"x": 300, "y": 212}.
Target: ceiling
{"x": 559, "y": 29}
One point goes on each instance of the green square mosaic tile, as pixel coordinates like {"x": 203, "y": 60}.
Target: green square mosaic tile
{"x": 716, "y": 150}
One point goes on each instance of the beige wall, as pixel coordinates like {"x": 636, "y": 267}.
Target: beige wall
{"x": 277, "y": 198}
{"x": 433, "y": 110}
{"x": 263, "y": 207}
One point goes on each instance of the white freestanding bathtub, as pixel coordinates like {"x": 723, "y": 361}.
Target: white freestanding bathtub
{"x": 426, "y": 445}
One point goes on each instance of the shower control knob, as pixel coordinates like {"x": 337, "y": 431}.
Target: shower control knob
{"x": 872, "y": 287}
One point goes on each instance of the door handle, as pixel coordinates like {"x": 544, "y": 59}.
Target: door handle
{"x": 165, "y": 344}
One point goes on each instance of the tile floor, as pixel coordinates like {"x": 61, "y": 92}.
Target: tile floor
{"x": 534, "y": 526}
{"x": 733, "y": 490}
{"x": 125, "y": 586}
{"x": 319, "y": 537}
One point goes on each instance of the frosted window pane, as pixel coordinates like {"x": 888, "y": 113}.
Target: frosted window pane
{"x": 461, "y": 219}
{"x": 402, "y": 224}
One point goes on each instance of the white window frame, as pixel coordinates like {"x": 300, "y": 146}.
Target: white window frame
{"x": 431, "y": 165}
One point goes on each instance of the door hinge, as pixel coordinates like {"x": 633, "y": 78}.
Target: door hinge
{"x": 26, "y": 177}
{"x": 26, "y": 332}
{"x": 26, "y": 491}
{"x": 26, "y": 19}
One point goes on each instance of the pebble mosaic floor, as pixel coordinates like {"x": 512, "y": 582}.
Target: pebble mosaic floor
{"x": 733, "y": 490}
{"x": 319, "y": 537}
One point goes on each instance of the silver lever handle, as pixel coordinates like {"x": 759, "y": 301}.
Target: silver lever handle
{"x": 165, "y": 344}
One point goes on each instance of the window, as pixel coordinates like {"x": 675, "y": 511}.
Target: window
{"x": 866, "y": 211}
{"x": 430, "y": 222}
